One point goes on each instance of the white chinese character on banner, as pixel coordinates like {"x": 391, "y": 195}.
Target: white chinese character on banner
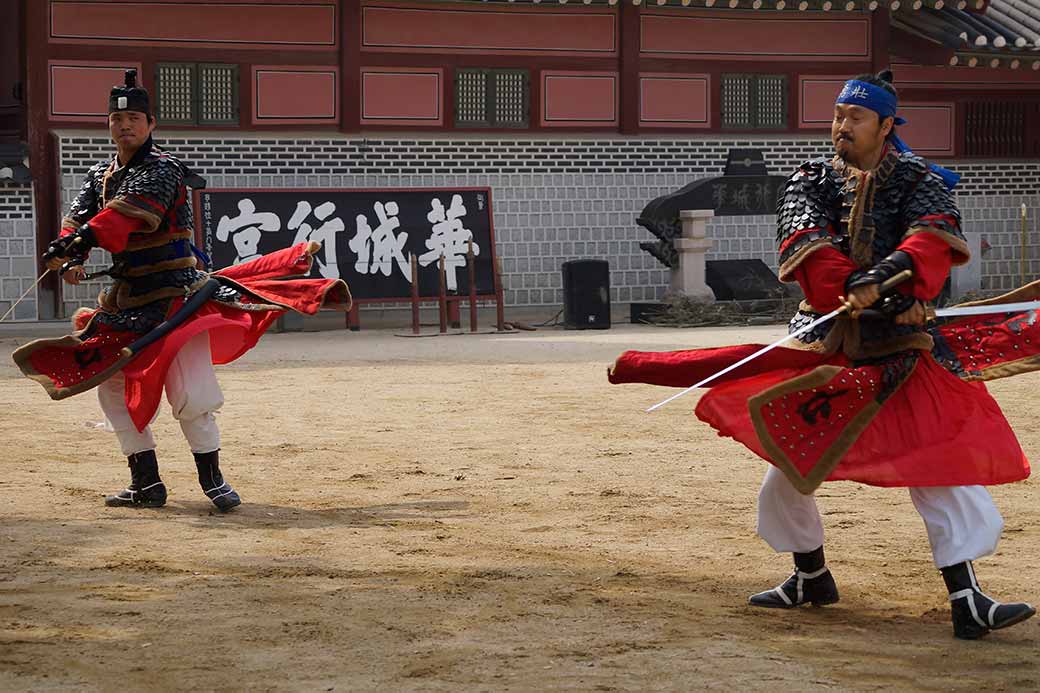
{"x": 324, "y": 234}
{"x": 245, "y": 229}
{"x": 378, "y": 249}
{"x": 449, "y": 238}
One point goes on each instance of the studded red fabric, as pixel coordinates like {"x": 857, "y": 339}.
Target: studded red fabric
{"x": 912, "y": 419}
{"x": 69, "y": 365}
{"x": 933, "y": 430}
{"x": 72, "y": 362}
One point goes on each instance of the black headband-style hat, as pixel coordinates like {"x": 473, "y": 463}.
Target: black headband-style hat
{"x": 129, "y": 97}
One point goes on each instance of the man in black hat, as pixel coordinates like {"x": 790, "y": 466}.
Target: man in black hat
{"x": 163, "y": 323}
{"x": 136, "y": 207}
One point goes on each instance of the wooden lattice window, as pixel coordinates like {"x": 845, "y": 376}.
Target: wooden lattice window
{"x": 174, "y": 93}
{"x": 754, "y": 102}
{"x": 196, "y": 94}
{"x": 998, "y": 128}
{"x": 491, "y": 98}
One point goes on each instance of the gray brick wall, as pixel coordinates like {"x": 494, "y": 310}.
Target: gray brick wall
{"x": 554, "y": 199}
{"x": 736, "y": 238}
{"x": 17, "y": 250}
{"x": 998, "y": 218}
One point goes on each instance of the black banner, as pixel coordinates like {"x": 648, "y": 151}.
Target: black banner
{"x": 368, "y": 236}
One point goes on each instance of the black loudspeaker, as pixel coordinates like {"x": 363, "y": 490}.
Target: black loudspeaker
{"x": 742, "y": 280}
{"x": 586, "y": 294}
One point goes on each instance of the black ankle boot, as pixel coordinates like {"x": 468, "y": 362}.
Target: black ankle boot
{"x": 146, "y": 489}
{"x": 974, "y": 613}
{"x": 212, "y": 481}
{"x": 811, "y": 582}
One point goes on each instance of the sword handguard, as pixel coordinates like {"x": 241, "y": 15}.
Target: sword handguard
{"x": 74, "y": 262}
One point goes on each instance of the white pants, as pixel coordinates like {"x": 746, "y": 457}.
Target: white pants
{"x": 962, "y": 522}
{"x": 193, "y": 393}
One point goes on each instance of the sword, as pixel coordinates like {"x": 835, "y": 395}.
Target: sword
{"x": 889, "y": 284}
{"x": 22, "y": 297}
{"x": 64, "y": 268}
{"x": 988, "y": 310}
{"x": 203, "y": 294}
{"x": 905, "y": 274}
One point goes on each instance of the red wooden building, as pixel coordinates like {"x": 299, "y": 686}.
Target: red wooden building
{"x": 573, "y": 113}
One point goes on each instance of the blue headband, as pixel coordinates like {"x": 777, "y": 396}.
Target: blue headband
{"x": 867, "y": 95}
{"x": 883, "y": 102}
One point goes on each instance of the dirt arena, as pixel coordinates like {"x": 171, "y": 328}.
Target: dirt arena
{"x": 467, "y": 513}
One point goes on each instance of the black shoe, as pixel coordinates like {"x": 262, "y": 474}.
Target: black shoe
{"x": 212, "y": 481}
{"x": 975, "y": 614}
{"x": 146, "y": 489}
{"x": 817, "y": 587}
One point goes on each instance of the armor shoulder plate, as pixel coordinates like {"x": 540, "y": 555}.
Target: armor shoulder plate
{"x": 88, "y": 200}
{"x": 810, "y": 199}
{"x": 154, "y": 185}
{"x": 928, "y": 198}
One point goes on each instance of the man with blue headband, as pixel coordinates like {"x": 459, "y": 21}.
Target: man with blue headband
{"x": 844, "y": 227}
{"x": 873, "y": 395}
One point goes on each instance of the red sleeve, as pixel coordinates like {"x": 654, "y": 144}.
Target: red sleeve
{"x": 822, "y": 277}
{"x": 113, "y": 228}
{"x": 932, "y": 261}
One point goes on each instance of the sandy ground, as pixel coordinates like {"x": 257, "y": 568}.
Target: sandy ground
{"x": 467, "y": 512}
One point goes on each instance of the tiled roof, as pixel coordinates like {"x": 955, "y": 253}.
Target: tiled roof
{"x": 994, "y": 33}
{"x": 1006, "y": 33}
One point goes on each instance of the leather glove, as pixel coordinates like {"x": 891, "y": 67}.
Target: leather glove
{"x": 75, "y": 245}
{"x": 886, "y": 269}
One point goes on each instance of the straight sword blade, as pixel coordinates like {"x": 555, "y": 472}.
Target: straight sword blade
{"x": 797, "y": 333}
{"x": 987, "y": 310}
{"x": 886, "y": 286}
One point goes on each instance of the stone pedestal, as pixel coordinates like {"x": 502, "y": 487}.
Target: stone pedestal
{"x": 688, "y": 277}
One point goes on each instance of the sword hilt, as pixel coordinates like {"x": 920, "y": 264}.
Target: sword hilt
{"x": 885, "y": 286}
{"x": 58, "y": 248}
{"x": 895, "y": 280}
{"x": 74, "y": 262}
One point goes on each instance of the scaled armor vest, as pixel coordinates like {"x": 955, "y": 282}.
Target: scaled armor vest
{"x": 865, "y": 215}
{"x": 158, "y": 262}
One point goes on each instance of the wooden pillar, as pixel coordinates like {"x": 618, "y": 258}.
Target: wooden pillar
{"x": 879, "y": 38}
{"x": 628, "y": 66}
{"x": 43, "y": 160}
{"x": 350, "y": 66}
